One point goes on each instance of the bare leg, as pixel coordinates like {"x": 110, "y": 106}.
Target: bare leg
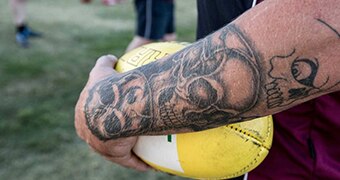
{"x": 139, "y": 41}
{"x": 136, "y": 42}
{"x": 170, "y": 37}
{"x": 18, "y": 8}
{"x": 23, "y": 32}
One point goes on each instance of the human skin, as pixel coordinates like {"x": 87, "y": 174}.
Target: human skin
{"x": 273, "y": 57}
{"x": 18, "y": 8}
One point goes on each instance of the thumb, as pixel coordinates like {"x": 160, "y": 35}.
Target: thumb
{"x": 104, "y": 67}
{"x": 106, "y": 61}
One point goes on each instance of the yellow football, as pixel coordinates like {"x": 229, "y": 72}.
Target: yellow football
{"x": 219, "y": 153}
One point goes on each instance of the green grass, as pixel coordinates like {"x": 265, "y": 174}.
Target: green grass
{"x": 39, "y": 87}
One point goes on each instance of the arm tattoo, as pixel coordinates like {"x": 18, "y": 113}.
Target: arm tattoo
{"x": 218, "y": 80}
{"x": 329, "y": 26}
{"x": 194, "y": 89}
{"x": 117, "y": 107}
{"x": 293, "y": 77}
{"x": 202, "y": 91}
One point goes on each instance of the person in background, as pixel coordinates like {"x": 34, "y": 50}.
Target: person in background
{"x": 155, "y": 21}
{"x": 23, "y": 31}
{"x": 106, "y": 2}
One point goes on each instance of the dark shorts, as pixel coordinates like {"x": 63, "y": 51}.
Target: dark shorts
{"x": 155, "y": 18}
{"x": 214, "y": 14}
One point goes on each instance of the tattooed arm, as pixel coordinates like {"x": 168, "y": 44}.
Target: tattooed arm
{"x": 275, "y": 56}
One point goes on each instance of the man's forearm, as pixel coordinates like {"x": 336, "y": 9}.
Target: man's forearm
{"x": 275, "y": 56}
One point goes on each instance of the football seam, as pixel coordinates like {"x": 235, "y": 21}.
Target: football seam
{"x": 263, "y": 141}
{"x": 243, "y": 170}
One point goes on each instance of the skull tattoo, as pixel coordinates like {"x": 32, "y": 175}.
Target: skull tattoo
{"x": 203, "y": 91}
{"x": 293, "y": 78}
{"x": 119, "y": 106}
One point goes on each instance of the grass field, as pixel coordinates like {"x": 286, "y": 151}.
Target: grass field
{"x": 39, "y": 87}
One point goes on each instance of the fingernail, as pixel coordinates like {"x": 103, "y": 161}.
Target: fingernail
{"x": 111, "y": 56}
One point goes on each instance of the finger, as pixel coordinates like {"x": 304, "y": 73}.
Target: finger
{"x": 106, "y": 61}
{"x": 130, "y": 161}
{"x": 104, "y": 67}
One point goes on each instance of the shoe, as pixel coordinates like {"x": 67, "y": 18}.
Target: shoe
{"x": 23, "y": 34}
{"x": 29, "y": 33}
{"x": 22, "y": 39}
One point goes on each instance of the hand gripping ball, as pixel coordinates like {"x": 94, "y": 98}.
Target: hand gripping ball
{"x": 219, "y": 153}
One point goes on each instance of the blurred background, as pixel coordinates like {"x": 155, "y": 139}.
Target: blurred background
{"x": 39, "y": 86}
